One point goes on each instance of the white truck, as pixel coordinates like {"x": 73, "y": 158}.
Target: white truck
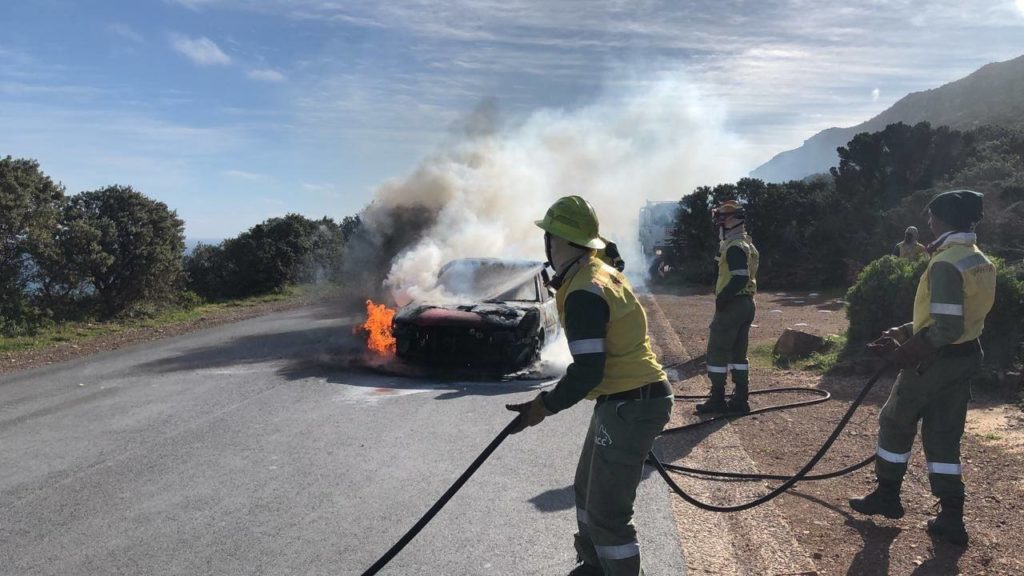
{"x": 657, "y": 221}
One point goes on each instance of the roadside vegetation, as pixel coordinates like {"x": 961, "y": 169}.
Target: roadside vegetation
{"x": 836, "y": 230}
{"x": 75, "y": 267}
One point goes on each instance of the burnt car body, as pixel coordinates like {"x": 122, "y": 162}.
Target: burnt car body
{"x": 494, "y": 315}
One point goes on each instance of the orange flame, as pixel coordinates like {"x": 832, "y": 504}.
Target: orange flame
{"x": 378, "y": 328}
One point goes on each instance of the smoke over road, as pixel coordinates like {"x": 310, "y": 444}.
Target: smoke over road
{"x": 480, "y": 194}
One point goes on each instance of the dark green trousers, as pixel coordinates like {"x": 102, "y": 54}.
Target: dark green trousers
{"x": 609, "y": 471}
{"x": 728, "y": 342}
{"x": 936, "y": 395}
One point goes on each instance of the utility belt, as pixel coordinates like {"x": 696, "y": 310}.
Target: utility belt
{"x": 659, "y": 389}
{"x": 961, "y": 350}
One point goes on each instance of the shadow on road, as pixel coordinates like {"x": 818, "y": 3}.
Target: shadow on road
{"x": 334, "y": 354}
{"x": 555, "y": 500}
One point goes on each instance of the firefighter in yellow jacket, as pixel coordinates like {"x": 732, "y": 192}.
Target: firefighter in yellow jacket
{"x": 938, "y": 353}
{"x": 734, "y": 311}
{"x": 613, "y": 364}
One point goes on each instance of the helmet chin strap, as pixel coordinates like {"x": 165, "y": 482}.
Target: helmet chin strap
{"x": 723, "y": 229}
{"x": 562, "y": 256}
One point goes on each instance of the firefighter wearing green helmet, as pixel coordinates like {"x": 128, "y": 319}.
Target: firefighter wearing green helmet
{"x": 938, "y": 353}
{"x": 734, "y": 311}
{"x": 614, "y": 365}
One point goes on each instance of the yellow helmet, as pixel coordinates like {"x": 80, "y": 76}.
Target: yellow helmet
{"x": 573, "y": 218}
{"x": 726, "y": 209}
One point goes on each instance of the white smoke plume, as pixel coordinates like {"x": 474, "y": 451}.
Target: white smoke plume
{"x": 643, "y": 140}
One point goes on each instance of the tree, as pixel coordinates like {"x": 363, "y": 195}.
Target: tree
{"x": 129, "y": 247}
{"x": 29, "y": 208}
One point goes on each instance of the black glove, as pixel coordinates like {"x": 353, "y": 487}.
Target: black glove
{"x": 530, "y": 413}
{"x": 912, "y": 352}
{"x": 883, "y": 346}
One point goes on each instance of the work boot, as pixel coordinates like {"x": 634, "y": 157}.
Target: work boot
{"x": 949, "y": 523}
{"x": 885, "y": 500}
{"x": 585, "y": 569}
{"x": 737, "y": 406}
{"x": 716, "y": 403}
{"x": 738, "y": 402}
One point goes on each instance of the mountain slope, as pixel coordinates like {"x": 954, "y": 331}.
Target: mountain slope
{"x": 993, "y": 94}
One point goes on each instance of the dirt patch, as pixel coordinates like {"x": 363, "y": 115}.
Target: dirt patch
{"x": 838, "y": 540}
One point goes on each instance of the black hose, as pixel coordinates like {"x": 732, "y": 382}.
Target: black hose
{"x": 663, "y": 469}
{"x": 789, "y": 481}
{"x": 394, "y": 550}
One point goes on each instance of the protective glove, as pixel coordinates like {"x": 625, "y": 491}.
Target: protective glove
{"x": 530, "y": 413}
{"x": 884, "y": 346}
{"x": 912, "y": 352}
{"x": 898, "y": 333}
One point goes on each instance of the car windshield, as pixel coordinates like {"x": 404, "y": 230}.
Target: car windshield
{"x": 490, "y": 280}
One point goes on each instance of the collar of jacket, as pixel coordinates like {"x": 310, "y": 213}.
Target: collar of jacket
{"x": 950, "y": 238}
{"x": 734, "y": 233}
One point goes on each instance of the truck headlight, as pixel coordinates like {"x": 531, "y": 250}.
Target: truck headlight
{"x": 657, "y": 252}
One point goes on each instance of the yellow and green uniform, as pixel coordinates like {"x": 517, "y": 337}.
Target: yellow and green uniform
{"x": 954, "y": 295}
{"x": 734, "y": 312}
{"x": 613, "y": 363}
{"x": 910, "y": 250}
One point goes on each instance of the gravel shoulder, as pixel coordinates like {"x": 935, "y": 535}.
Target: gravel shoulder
{"x": 837, "y": 540}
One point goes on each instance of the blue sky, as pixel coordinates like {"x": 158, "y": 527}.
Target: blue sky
{"x": 234, "y": 111}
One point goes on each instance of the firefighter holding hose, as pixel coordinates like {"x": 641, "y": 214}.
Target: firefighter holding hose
{"x": 613, "y": 364}
{"x": 938, "y": 353}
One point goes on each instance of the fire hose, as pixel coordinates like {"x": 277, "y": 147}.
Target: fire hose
{"x": 663, "y": 469}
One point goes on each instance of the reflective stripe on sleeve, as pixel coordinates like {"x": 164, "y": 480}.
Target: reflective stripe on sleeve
{"x": 947, "y": 309}
{"x": 588, "y": 346}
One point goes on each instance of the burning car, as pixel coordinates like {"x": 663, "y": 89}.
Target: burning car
{"x": 489, "y": 314}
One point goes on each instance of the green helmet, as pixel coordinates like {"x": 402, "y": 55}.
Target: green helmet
{"x": 573, "y": 218}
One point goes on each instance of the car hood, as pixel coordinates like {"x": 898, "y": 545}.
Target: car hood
{"x": 497, "y": 314}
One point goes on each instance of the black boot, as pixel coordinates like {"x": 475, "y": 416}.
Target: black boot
{"x": 738, "y": 402}
{"x": 585, "y": 569}
{"x": 949, "y": 523}
{"x": 716, "y": 403}
{"x": 885, "y": 500}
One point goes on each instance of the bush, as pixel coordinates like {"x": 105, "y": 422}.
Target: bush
{"x": 884, "y": 297}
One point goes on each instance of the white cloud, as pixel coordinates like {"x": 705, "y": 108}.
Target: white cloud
{"x": 201, "y": 51}
{"x": 250, "y": 176}
{"x": 876, "y": 93}
{"x": 266, "y": 75}
{"x": 1020, "y": 6}
{"x": 193, "y": 4}
{"x": 125, "y": 31}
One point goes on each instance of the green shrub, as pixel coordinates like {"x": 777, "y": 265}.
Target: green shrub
{"x": 1004, "y": 326}
{"x": 884, "y": 297}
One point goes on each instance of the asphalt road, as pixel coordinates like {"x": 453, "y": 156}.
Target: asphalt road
{"x": 254, "y": 448}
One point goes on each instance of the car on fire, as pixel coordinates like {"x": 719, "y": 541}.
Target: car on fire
{"x": 489, "y": 314}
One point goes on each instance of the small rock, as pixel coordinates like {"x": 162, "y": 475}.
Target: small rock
{"x": 801, "y": 324}
{"x": 814, "y": 294}
{"x": 80, "y": 384}
{"x": 796, "y": 344}
{"x": 817, "y": 556}
{"x": 775, "y": 311}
